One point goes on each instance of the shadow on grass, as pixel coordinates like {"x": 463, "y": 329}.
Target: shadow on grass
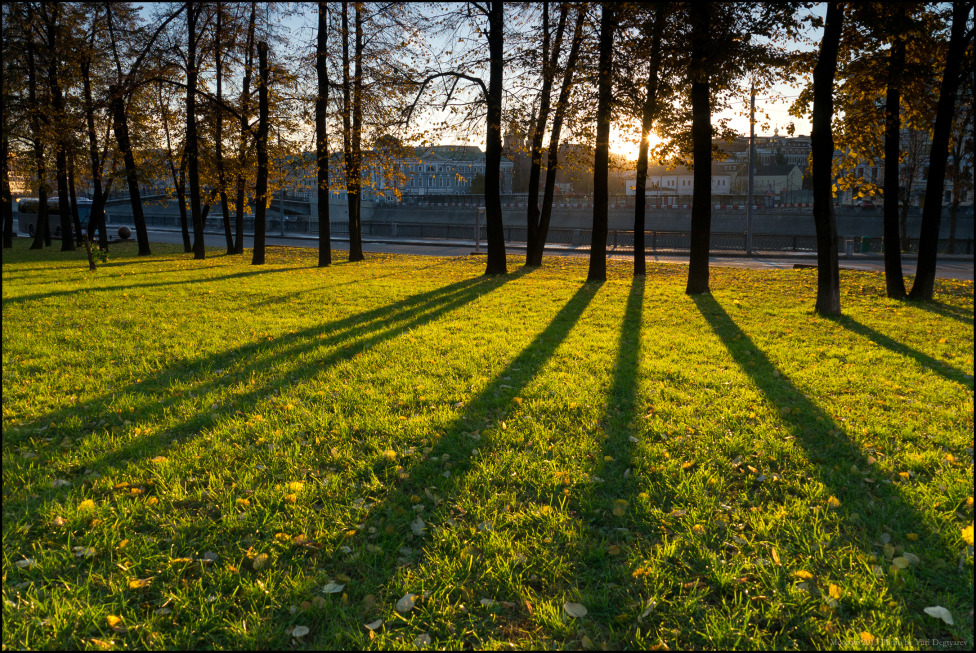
{"x": 939, "y": 367}
{"x": 427, "y": 478}
{"x": 832, "y": 452}
{"x": 122, "y": 285}
{"x": 347, "y": 337}
{"x": 946, "y": 310}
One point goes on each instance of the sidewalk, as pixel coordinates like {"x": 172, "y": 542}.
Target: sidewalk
{"x": 949, "y": 266}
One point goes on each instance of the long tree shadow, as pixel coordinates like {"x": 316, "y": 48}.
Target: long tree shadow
{"x": 427, "y": 477}
{"x": 612, "y": 479}
{"x": 946, "y": 310}
{"x": 832, "y": 452}
{"x": 122, "y": 285}
{"x": 939, "y": 367}
{"x": 239, "y": 366}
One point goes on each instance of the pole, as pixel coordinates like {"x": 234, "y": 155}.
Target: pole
{"x": 281, "y": 199}
{"x": 752, "y": 170}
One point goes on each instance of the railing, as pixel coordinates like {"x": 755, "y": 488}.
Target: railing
{"x": 620, "y": 240}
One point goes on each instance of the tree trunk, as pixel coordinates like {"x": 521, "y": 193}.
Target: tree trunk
{"x": 180, "y": 183}
{"x": 822, "y": 152}
{"x": 261, "y": 187}
{"x": 96, "y": 219}
{"x": 6, "y": 199}
{"x": 75, "y": 218}
{"x": 928, "y": 243}
{"x": 550, "y": 61}
{"x": 496, "y": 263}
{"x": 355, "y": 173}
{"x": 701, "y": 133}
{"x": 192, "y": 144}
{"x": 219, "y": 132}
{"x": 552, "y": 158}
{"x": 83, "y": 238}
{"x": 121, "y": 125}
{"x": 647, "y": 123}
{"x": 601, "y": 198}
{"x": 60, "y": 147}
{"x": 321, "y": 139}
{"x": 894, "y": 279}
{"x": 244, "y": 131}
{"x": 41, "y": 235}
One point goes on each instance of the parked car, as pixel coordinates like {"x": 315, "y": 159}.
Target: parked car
{"x": 864, "y": 204}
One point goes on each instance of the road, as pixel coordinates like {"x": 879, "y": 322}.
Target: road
{"x": 954, "y": 268}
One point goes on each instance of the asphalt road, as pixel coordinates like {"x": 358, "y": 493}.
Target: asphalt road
{"x": 956, "y": 268}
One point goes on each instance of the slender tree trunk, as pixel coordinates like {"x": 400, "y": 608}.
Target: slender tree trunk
{"x": 894, "y": 279}
{"x": 192, "y": 144}
{"x": 355, "y": 172}
{"x": 552, "y": 157}
{"x": 75, "y": 218}
{"x": 601, "y": 197}
{"x": 701, "y": 133}
{"x": 245, "y": 131}
{"x": 121, "y": 125}
{"x": 41, "y": 235}
{"x": 6, "y": 199}
{"x": 928, "y": 243}
{"x": 261, "y": 188}
{"x": 180, "y": 181}
{"x": 96, "y": 218}
{"x": 822, "y": 152}
{"x": 321, "y": 138}
{"x": 83, "y": 238}
{"x": 219, "y": 131}
{"x": 647, "y": 123}
{"x": 550, "y": 61}
{"x": 496, "y": 263}
{"x": 60, "y": 147}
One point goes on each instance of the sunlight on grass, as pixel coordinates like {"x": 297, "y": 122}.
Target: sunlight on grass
{"x": 404, "y": 453}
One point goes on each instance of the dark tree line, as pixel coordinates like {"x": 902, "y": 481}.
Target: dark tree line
{"x": 94, "y": 79}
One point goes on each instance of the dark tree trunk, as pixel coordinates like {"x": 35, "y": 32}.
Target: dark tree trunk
{"x": 822, "y": 152}
{"x": 261, "y": 187}
{"x": 96, "y": 220}
{"x": 601, "y": 197}
{"x": 550, "y": 61}
{"x": 321, "y": 139}
{"x": 75, "y": 218}
{"x": 245, "y": 132}
{"x": 219, "y": 132}
{"x": 83, "y": 238}
{"x": 121, "y": 125}
{"x": 647, "y": 123}
{"x": 497, "y": 263}
{"x": 192, "y": 144}
{"x": 351, "y": 124}
{"x": 6, "y": 199}
{"x": 41, "y": 235}
{"x": 355, "y": 172}
{"x": 552, "y": 157}
{"x": 701, "y": 134}
{"x": 180, "y": 183}
{"x": 894, "y": 279}
{"x": 928, "y": 242}
{"x": 60, "y": 147}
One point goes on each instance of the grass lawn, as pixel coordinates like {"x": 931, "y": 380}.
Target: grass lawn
{"x": 403, "y": 453}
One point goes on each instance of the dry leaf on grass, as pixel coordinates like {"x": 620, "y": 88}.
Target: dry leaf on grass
{"x": 577, "y": 610}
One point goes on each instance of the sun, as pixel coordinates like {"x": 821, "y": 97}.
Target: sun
{"x": 626, "y": 141}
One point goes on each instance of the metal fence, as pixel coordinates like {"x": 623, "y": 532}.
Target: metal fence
{"x": 654, "y": 241}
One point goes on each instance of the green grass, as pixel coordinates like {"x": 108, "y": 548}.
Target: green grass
{"x": 199, "y": 448}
